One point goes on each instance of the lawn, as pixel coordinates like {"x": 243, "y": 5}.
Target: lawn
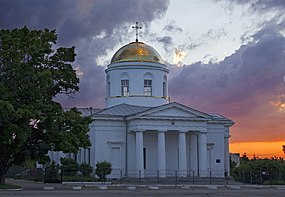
{"x": 9, "y": 186}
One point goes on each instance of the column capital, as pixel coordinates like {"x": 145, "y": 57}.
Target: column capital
{"x": 183, "y": 131}
{"x": 161, "y": 131}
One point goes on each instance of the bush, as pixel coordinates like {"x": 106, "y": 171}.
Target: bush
{"x": 85, "y": 169}
{"x": 52, "y": 172}
{"x": 69, "y": 166}
{"x": 261, "y": 171}
{"x": 103, "y": 168}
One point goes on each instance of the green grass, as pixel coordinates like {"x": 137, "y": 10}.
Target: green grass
{"x": 9, "y": 186}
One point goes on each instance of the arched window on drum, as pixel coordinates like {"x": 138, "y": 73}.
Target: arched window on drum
{"x": 164, "y": 87}
{"x": 125, "y": 84}
{"x": 148, "y": 84}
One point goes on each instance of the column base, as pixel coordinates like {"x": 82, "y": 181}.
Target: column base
{"x": 162, "y": 174}
{"x": 182, "y": 173}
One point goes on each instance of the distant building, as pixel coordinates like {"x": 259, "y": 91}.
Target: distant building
{"x": 142, "y": 134}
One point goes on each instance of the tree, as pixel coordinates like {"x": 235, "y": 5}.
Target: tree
{"x": 103, "y": 168}
{"x": 244, "y": 158}
{"x": 32, "y": 73}
{"x": 284, "y": 148}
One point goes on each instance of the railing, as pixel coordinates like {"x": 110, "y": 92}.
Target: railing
{"x": 169, "y": 177}
{"x": 147, "y": 177}
{"x": 260, "y": 177}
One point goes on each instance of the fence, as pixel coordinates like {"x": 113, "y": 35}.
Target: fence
{"x": 260, "y": 177}
{"x": 174, "y": 177}
{"x": 169, "y": 177}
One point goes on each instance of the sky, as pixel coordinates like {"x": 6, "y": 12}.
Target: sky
{"x": 224, "y": 56}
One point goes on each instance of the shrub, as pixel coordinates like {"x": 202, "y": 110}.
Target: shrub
{"x": 52, "y": 172}
{"x": 103, "y": 168}
{"x": 86, "y": 169}
{"x": 69, "y": 166}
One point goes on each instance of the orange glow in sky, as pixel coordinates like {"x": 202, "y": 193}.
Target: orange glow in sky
{"x": 260, "y": 149}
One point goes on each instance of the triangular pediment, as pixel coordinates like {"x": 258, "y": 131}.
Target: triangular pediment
{"x": 173, "y": 110}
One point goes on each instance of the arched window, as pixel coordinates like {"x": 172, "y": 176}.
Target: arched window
{"x": 147, "y": 90}
{"x": 164, "y": 87}
{"x": 125, "y": 90}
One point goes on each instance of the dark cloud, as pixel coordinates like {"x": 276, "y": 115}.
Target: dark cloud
{"x": 167, "y": 42}
{"x": 172, "y": 27}
{"x": 242, "y": 84}
{"x": 78, "y": 19}
{"x": 253, "y": 69}
{"x": 79, "y": 23}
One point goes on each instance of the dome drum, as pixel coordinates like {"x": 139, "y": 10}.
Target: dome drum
{"x": 137, "y": 75}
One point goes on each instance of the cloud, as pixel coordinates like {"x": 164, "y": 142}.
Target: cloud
{"x": 94, "y": 27}
{"x": 242, "y": 86}
{"x": 178, "y": 56}
{"x": 171, "y": 27}
{"x": 167, "y": 42}
{"x": 262, "y": 5}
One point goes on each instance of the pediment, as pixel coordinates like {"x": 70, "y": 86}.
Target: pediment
{"x": 173, "y": 110}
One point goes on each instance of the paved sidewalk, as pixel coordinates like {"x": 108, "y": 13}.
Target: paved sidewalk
{"x": 60, "y": 190}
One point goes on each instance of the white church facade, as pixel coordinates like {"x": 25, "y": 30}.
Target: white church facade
{"x": 143, "y": 134}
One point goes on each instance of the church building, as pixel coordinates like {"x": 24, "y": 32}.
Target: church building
{"x": 143, "y": 134}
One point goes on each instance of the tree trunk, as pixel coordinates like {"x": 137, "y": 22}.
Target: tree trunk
{"x": 2, "y": 179}
{"x": 2, "y": 173}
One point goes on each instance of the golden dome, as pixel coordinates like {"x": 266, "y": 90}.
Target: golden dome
{"x": 137, "y": 52}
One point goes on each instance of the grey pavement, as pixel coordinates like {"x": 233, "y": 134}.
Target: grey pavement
{"x": 60, "y": 190}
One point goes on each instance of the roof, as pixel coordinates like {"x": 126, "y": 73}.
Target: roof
{"x": 137, "y": 52}
{"x": 126, "y": 110}
{"x": 86, "y": 111}
{"x": 122, "y": 110}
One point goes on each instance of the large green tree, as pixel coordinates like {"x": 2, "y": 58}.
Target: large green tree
{"x": 32, "y": 72}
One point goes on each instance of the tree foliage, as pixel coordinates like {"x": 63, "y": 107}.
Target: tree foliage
{"x": 32, "y": 73}
{"x": 259, "y": 170}
{"x": 103, "y": 168}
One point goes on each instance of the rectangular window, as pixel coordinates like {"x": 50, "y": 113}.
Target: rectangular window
{"x": 147, "y": 87}
{"x": 144, "y": 158}
{"x": 89, "y": 159}
{"x": 109, "y": 89}
{"x": 164, "y": 89}
{"x": 125, "y": 87}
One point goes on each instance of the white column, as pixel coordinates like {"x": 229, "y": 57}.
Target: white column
{"x": 182, "y": 155}
{"x": 161, "y": 165}
{"x": 227, "y": 156}
{"x": 139, "y": 153}
{"x": 202, "y": 141}
{"x": 193, "y": 154}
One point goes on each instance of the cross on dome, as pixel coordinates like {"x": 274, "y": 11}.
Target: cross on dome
{"x": 137, "y": 27}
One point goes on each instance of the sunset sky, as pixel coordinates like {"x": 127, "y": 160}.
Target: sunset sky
{"x": 224, "y": 56}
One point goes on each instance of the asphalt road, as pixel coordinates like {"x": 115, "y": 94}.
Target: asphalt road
{"x": 145, "y": 192}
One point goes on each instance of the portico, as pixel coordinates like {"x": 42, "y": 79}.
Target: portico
{"x": 167, "y": 152}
